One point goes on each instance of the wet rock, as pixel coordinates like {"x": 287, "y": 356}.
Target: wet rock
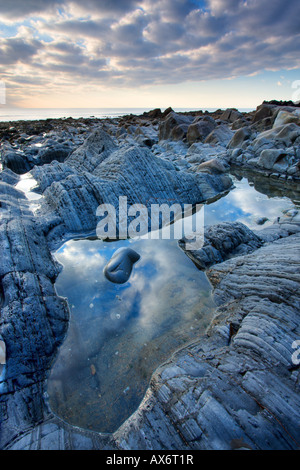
{"x": 118, "y": 269}
{"x": 74, "y": 193}
{"x": 56, "y": 152}
{"x": 226, "y": 385}
{"x": 261, "y": 220}
{"x": 8, "y": 176}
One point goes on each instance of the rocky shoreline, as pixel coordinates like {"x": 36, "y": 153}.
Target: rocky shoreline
{"x": 234, "y": 388}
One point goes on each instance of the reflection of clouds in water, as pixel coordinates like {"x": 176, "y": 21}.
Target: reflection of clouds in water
{"x": 80, "y": 254}
{"x": 245, "y": 204}
{"x": 174, "y": 291}
{"x": 164, "y": 284}
{"x": 126, "y": 330}
{"x": 26, "y": 184}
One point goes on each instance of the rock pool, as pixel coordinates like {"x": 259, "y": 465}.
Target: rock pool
{"x": 119, "y": 334}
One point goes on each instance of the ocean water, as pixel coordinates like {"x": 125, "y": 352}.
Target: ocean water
{"x": 28, "y": 114}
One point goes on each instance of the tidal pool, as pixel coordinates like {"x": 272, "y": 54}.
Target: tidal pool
{"x": 119, "y": 334}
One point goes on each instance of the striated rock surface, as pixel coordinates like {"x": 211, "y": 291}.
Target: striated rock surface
{"x": 221, "y": 242}
{"x": 90, "y": 177}
{"x": 237, "y": 386}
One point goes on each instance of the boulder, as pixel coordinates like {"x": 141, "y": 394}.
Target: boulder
{"x": 269, "y": 157}
{"x": 264, "y": 111}
{"x": 263, "y": 125}
{"x": 172, "y": 121}
{"x": 13, "y": 160}
{"x": 221, "y": 135}
{"x": 119, "y": 268}
{"x": 179, "y": 132}
{"x": 153, "y": 114}
{"x": 231, "y": 115}
{"x": 221, "y": 242}
{"x": 56, "y": 152}
{"x": 242, "y": 122}
{"x": 240, "y": 137}
{"x": 199, "y": 130}
{"x": 279, "y": 137}
{"x": 214, "y": 166}
{"x": 167, "y": 111}
{"x": 284, "y": 117}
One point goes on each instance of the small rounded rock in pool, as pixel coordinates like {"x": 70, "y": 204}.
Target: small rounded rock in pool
{"x": 118, "y": 269}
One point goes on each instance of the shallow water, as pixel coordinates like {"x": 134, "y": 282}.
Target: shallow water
{"x": 119, "y": 334}
{"x": 247, "y": 203}
{"x": 27, "y": 184}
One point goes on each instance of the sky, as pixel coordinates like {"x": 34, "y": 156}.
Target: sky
{"x": 149, "y": 53}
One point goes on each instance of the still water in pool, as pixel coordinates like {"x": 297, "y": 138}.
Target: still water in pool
{"x": 119, "y": 334}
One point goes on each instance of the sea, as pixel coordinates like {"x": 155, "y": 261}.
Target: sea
{"x": 29, "y": 114}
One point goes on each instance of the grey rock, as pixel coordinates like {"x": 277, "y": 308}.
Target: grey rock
{"x": 231, "y": 115}
{"x": 56, "y": 152}
{"x": 240, "y": 137}
{"x": 221, "y": 242}
{"x": 198, "y": 131}
{"x": 73, "y": 193}
{"x": 174, "y": 126}
{"x": 285, "y": 117}
{"x": 264, "y": 111}
{"x": 96, "y": 148}
{"x": 13, "y": 160}
{"x": 221, "y": 135}
{"x": 214, "y": 166}
{"x": 239, "y": 123}
{"x": 269, "y": 157}
{"x": 118, "y": 269}
{"x": 279, "y": 137}
{"x": 261, "y": 220}
{"x": 238, "y": 381}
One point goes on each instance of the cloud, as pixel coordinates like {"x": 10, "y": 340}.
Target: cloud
{"x": 14, "y": 50}
{"x": 138, "y": 42}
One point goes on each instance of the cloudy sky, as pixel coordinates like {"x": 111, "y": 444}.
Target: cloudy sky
{"x": 149, "y": 53}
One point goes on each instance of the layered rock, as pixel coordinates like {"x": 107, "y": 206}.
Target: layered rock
{"x": 237, "y": 387}
{"x": 99, "y": 172}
